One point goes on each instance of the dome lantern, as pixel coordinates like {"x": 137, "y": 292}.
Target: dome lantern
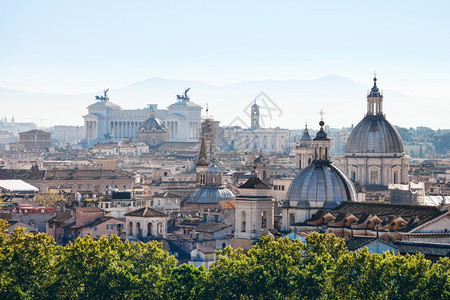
{"x": 374, "y": 100}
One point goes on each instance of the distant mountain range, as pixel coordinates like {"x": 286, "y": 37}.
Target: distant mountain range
{"x": 292, "y": 102}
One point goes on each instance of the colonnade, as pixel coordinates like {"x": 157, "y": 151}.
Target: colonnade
{"x": 123, "y": 129}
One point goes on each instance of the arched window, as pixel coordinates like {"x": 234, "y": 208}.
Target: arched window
{"x": 291, "y": 219}
{"x": 149, "y": 229}
{"x": 244, "y": 223}
{"x": 138, "y": 229}
{"x": 160, "y": 228}
{"x": 130, "y": 228}
{"x": 264, "y": 174}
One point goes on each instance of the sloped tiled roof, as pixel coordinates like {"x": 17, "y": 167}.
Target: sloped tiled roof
{"x": 89, "y": 209}
{"x": 100, "y": 221}
{"x": 61, "y": 216}
{"x": 425, "y": 248}
{"x": 416, "y": 214}
{"x": 206, "y": 249}
{"x": 357, "y": 242}
{"x": 146, "y": 212}
{"x": 211, "y": 227}
{"x": 254, "y": 183}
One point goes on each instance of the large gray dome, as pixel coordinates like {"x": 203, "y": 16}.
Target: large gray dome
{"x": 320, "y": 185}
{"x": 374, "y": 134}
{"x": 153, "y": 123}
{"x": 211, "y": 195}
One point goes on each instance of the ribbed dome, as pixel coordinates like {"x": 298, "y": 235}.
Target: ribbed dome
{"x": 374, "y": 134}
{"x": 211, "y": 195}
{"x": 320, "y": 185}
{"x": 153, "y": 123}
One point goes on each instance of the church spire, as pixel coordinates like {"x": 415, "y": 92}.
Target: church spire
{"x": 321, "y": 145}
{"x": 202, "y": 157}
{"x": 305, "y": 137}
{"x": 374, "y": 100}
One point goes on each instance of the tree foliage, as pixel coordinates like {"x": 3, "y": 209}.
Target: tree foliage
{"x": 34, "y": 267}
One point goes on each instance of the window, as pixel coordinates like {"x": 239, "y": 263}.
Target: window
{"x": 263, "y": 219}
{"x": 291, "y": 219}
{"x": 95, "y": 228}
{"x": 160, "y": 228}
{"x": 244, "y": 223}
{"x": 374, "y": 177}
{"x": 396, "y": 177}
{"x": 275, "y": 187}
{"x": 109, "y": 226}
{"x": 202, "y": 178}
{"x": 282, "y": 187}
{"x": 119, "y": 226}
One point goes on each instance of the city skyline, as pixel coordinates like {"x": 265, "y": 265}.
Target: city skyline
{"x": 62, "y": 48}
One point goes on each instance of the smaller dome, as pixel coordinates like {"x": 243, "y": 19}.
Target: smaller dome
{"x": 320, "y": 185}
{"x": 213, "y": 170}
{"x": 153, "y": 123}
{"x": 211, "y": 195}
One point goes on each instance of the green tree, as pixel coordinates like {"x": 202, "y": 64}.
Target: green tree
{"x": 26, "y": 264}
{"x": 112, "y": 269}
{"x": 438, "y": 285}
{"x": 186, "y": 282}
{"x": 277, "y": 269}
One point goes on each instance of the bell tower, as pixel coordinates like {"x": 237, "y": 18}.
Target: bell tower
{"x": 304, "y": 151}
{"x": 255, "y": 116}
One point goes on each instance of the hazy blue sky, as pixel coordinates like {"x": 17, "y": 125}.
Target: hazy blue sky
{"x": 80, "y": 46}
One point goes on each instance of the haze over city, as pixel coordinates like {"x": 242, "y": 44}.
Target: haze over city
{"x": 63, "y": 54}
{"x": 224, "y": 149}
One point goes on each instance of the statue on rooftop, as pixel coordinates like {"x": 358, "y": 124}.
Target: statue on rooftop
{"x": 103, "y": 98}
{"x": 184, "y": 97}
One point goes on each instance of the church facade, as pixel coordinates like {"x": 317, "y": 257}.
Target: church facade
{"x": 108, "y": 121}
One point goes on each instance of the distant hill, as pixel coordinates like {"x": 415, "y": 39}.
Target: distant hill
{"x": 342, "y": 99}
